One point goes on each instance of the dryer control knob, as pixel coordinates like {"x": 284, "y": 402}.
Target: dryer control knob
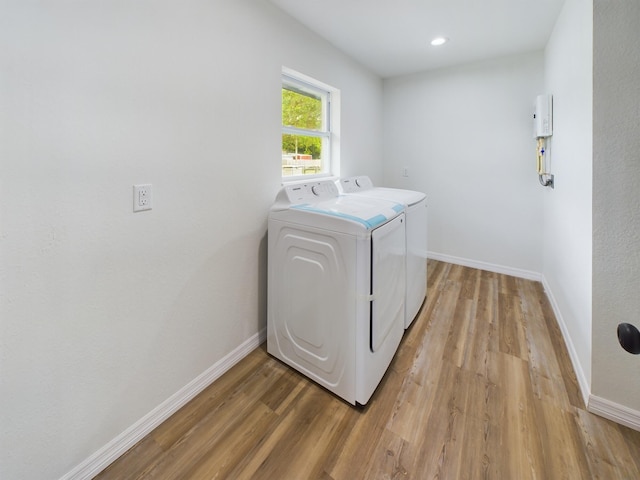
{"x": 316, "y": 190}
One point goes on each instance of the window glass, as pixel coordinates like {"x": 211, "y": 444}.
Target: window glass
{"x": 306, "y": 132}
{"x": 301, "y": 109}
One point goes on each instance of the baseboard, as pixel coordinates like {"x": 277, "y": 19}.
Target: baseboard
{"x": 127, "y": 439}
{"x": 614, "y": 412}
{"x": 583, "y": 382}
{"x": 490, "y": 267}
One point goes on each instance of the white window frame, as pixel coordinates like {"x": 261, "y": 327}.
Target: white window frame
{"x": 331, "y": 121}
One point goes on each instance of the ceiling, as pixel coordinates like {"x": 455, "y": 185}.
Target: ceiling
{"x": 392, "y": 37}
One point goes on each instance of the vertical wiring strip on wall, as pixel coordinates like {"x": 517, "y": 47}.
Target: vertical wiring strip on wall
{"x": 545, "y": 178}
{"x": 543, "y": 128}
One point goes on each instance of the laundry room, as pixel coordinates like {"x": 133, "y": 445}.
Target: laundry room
{"x": 140, "y": 153}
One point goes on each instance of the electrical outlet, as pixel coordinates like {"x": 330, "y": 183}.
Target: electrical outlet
{"x": 405, "y": 171}
{"x": 141, "y": 197}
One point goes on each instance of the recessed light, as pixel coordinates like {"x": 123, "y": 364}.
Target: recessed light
{"x": 439, "y": 41}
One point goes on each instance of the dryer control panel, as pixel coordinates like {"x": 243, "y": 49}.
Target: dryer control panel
{"x": 308, "y": 192}
{"x": 355, "y": 184}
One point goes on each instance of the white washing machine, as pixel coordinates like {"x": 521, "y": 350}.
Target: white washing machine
{"x": 416, "y": 216}
{"x": 336, "y": 285}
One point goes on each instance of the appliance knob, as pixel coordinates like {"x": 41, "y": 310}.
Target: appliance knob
{"x": 358, "y": 182}
{"x": 315, "y": 190}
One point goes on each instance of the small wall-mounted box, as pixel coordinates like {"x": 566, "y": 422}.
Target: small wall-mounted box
{"x": 543, "y": 116}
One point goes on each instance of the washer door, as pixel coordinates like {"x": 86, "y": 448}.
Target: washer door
{"x": 388, "y": 279}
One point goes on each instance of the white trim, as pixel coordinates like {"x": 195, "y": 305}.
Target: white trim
{"x": 583, "y": 382}
{"x": 301, "y": 77}
{"x": 614, "y": 412}
{"x": 101, "y": 459}
{"x": 491, "y": 267}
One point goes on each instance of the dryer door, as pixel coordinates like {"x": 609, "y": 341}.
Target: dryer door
{"x": 416, "y": 259}
{"x": 388, "y": 279}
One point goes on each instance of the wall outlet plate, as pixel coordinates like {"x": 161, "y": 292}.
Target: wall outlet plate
{"x": 142, "y": 197}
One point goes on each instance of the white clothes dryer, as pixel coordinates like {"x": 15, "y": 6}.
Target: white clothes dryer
{"x": 416, "y": 216}
{"x": 336, "y": 282}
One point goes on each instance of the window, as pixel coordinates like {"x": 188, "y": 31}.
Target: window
{"x": 306, "y": 127}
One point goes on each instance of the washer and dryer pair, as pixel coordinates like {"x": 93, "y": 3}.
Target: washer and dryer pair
{"x": 337, "y": 279}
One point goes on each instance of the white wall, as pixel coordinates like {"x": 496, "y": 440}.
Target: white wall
{"x": 105, "y": 313}
{"x": 567, "y": 208}
{"x": 616, "y": 199}
{"x": 465, "y": 134}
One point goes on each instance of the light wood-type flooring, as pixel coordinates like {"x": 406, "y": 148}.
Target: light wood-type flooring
{"x": 481, "y": 388}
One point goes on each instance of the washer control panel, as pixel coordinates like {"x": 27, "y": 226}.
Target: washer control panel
{"x": 309, "y": 192}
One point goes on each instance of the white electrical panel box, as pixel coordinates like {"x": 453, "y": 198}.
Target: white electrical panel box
{"x": 543, "y": 117}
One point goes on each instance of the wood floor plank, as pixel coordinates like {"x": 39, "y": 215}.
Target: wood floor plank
{"x": 632, "y": 441}
{"x": 202, "y": 440}
{"x": 434, "y": 450}
{"x": 298, "y": 453}
{"x": 276, "y": 442}
{"x": 461, "y": 332}
{"x": 135, "y": 462}
{"x": 485, "y": 333}
{"x": 609, "y": 452}
{"x": 519, "y": 429}
{"x": 223, "y": 456}
{"x": 546, "y": 375}
{"x": 191, "y": 414}
{"x": 387, "y": 460}
{"x": 482, "y": 387}
{"x": 563, "y": 457}
{"x": 414, "y": 399}
{"x": 283, "y": 391}
{"x": 367, "y": 428}
{"x": 511, "y": 326}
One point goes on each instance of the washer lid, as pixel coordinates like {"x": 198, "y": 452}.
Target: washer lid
{"x": 363, "y": 185}
{"x": 369, "y": 212}
{"x": 320, "y": 204}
